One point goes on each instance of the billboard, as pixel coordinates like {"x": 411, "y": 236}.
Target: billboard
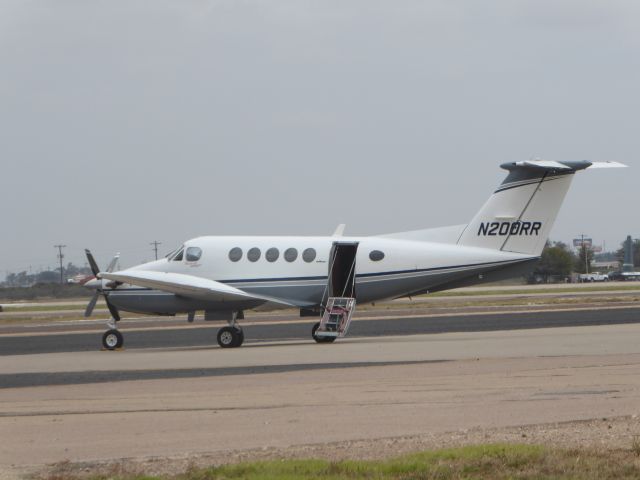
{"x": 577, "y": 242}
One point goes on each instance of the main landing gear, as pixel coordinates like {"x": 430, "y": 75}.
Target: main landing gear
{"x": 231, "y": 336}
{"x": 112, "y": 338}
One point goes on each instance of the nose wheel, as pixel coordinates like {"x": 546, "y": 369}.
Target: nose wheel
{"x": 230, "y": 337}
{"x": 112, "y": 339}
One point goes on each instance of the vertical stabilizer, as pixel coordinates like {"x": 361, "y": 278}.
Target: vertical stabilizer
{"x": 519, "y": 215}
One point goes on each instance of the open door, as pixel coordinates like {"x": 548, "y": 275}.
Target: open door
{"x": 342, "y": 270}
{"x": 340, "y": 302}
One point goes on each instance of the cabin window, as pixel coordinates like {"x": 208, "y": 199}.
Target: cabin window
{"x": 309, "y": 255}
{"x": 290, "y": 254}
{"x": 253, "y": 254}
{"x": 178, "y": 256}
{"x": 376, "y": 255}
{"x": 235, "y": 254}
{"x": 193, "y": 254}
{"x": 272, "y": 254}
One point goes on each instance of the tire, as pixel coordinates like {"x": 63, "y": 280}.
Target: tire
{"x": 229, "y": 337}
{"x": 321, "y": 339}
{"x": 240, "y": 337}
{"x": 112, "y": 339}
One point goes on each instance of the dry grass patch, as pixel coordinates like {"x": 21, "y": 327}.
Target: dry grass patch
{"x": 497, "y": 461}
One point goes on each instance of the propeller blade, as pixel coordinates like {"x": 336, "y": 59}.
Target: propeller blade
{"x": 92, "y": 303}
{"x": 92, "y": 262}
{"x": 112, "y": 309}
{"x": 113, "y": 262}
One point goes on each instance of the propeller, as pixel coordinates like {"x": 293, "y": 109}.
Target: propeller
{"x": 97, "y": 284}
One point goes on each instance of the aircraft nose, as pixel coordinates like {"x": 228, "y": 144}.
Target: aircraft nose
{"x": 93, "y": 284}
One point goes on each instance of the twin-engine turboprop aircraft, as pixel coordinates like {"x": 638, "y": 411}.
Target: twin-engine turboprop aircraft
{"x": 325, "y": 276}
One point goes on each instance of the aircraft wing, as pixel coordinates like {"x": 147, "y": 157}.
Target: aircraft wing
{"x": 188, "y": 286}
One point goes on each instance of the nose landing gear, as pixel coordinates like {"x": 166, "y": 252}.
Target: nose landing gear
{"x": 112, "y": 338}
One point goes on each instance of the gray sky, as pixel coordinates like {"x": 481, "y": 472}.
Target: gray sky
{"x": 122, "y": 122}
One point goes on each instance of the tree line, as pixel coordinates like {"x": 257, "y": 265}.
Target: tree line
{"x": 558, "y": 261}
{"x": 25, "y": 279}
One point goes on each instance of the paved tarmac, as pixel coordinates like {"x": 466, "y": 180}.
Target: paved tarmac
{"x": 296, "y": 393}
{"x": 139, "y": 335}
{"x": 172, "y": 391}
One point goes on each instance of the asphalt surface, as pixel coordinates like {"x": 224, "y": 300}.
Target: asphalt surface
{"x": 205, "y": 336}
{"x": 37, "y": 379}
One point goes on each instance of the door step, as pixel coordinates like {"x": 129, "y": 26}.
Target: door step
{"x": 337, "y": 317}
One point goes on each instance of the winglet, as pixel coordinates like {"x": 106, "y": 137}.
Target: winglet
{"x": 339, "y": 230}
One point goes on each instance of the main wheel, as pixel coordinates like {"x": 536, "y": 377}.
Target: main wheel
{"x": 230, "y": 337}
{"x": 240, "y": 336}
{"x": 112, "y": 339}
{"x": 319, "y": 339}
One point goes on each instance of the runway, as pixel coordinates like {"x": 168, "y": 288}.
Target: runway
{"x": 169, "y": 395}
{"x": 142, "y": 334}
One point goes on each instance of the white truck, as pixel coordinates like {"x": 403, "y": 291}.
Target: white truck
{"x": 593, "y": 277}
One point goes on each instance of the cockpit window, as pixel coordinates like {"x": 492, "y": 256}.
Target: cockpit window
{"x": 178, "y": 256}
{"x": 193, "y": 254}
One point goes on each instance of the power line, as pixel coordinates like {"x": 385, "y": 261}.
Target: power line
{"x": 60, "y": 256}
{"x": 155, "y": 244}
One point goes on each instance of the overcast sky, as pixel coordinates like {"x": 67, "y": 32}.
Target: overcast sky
{"x": 124, "y": 122}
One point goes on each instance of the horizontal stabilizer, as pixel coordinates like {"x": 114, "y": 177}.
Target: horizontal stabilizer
{"x": 543, "y": 164}
{"x": 551, "y": 165}
{"x": 607, "y": 165}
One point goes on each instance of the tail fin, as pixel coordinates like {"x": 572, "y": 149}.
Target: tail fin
{"x": 519, "y": 215}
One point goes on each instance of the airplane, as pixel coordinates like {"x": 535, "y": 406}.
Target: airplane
{"x": 324, "y": 276}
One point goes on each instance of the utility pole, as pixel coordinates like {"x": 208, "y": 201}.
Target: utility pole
{"x": 155, "y": 244}
{"x": 60, "y": 256}
{"x": 584, "y": 252}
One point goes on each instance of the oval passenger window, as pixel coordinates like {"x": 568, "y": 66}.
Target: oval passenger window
{"x": 254, "y": 254}
{"x": 235, "y": 254}
{"x": 272, "y": 254}
{"x": 376, "y": 255}
{"x": 309, "y": 255}
{"x": 290, "y": 254}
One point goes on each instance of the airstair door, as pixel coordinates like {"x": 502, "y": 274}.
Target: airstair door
{"x": 342, "y": 270}
{"x": 339, "y": 302}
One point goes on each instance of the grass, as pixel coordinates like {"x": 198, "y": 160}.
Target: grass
{"x": 533, "y": 290}
{"x": 498, "y": 461}
{"x": 47, "y": 308}
{"x": 522, "y": 292}
{"x": 507, "y": 302}
{"x": 635, "y": 445}
{"x": 510, "y": 297}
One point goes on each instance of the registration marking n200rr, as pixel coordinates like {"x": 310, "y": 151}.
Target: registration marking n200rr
{"x": 493, "y": 229}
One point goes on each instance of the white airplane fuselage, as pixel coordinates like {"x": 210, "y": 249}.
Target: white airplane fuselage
{"x": 407, "y": 268}
{"x": 224, "y": 276}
